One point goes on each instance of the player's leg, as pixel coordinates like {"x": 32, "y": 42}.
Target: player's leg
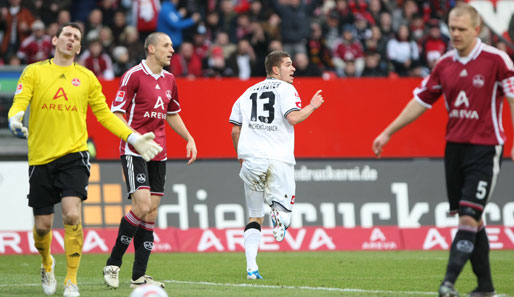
{"x": 144, "y": 238}
{"x": 454, "y": 183}
{"x": 42, "y": 197}
{"x": 138, "y": 189}
{"x": 484, "y": 178}
{"x": 252, "y": 232}
{"x": 72, "y": 176}
{"x": 280, "y": 195}
{"x": 480, "y": 262}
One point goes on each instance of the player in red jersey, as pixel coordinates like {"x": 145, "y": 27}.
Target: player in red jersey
{"x": 474, "y": 78}
{"x": 147, "y": 99}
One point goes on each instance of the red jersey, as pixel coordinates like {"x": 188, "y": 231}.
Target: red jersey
{"x": 473, "y": 89}
{"x": 34, "y": 49}
{"x": 146, "y": 99}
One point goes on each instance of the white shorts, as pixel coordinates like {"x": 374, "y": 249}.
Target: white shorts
{"x": 266, "y": 182}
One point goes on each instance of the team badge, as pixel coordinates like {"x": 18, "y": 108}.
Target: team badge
{"x": 141, "y": 178}
{"x": 75, "y": 82}
{"x": 19, "y": 88}
{"x": 120, "y": 96}
{"x": 168, "y": 94}
{"x": 478, "y": 81}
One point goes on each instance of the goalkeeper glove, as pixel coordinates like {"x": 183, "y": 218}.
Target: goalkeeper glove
{"x": 145, "y": 145}
{"x": 16, "y": 126}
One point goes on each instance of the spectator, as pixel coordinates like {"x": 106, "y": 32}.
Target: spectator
{"x": 94, "y": 23}
{"x": 402, "y": 52}
{"x": 259, "y": 42}
{"x": 243, "y": 60}
{"x": 172, "y": 21}
{"x": 373, "y": 66}
{"x": 243, "y": 26}
{"x": 332, "y": 28}
{"x": 201, "y": 43}
{"x": 107, "y": 8}
{"x": 349, "y": 49}
{"x": 130, "y": 39}
{"x": 275, "y": 45}
{"x": 386, "y": 24}
{"x": 434, "y": 45}
{"x": 380, "y": 41}
{"x": 256, "y": 12}
{"x": 51, "y": 29}
{"x": 186, "y": 62}
{"x": 217, "y": 66}
{"x": 272, "y": 27}
{"x": 405, "y": 14}
{"x": 37, "y": 47}
{"x": 362, "y": 30}
{"x": 118, "y": 26}
{"x": 97, "y": 61}
{"x": 63, "y": 17}
{"x": 106, "y": 39}
{"x": 145, "y": 16}
{"x": 212, "y": 25}
{"x": 223, "y": 42}
{"x": 304, "y": 67}
{"x": 350, "y": 69}
{"x": 18, "y": 20}
{"x": 121, "y": 61}
{"x": 344, "y": 13}
{"x": 47, "y": 10}
{"x": 228, "y": 19}
{"x": 375, "y": 9}
{"x": 319, "y": 53}
{"x": 295, "y": 24}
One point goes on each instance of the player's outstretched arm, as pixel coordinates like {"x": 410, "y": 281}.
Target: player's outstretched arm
{"x": 16, "y": 126}
{"x": 145, "y": 145}
{"x": 176, "y": 123}
{"x": 411, "y": 112}
{"x": 299, "y": 116}
{"x": 511, "y": 103}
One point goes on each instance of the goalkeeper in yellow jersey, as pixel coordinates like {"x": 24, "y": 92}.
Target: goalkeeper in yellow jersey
{"x": 59, "y": 92}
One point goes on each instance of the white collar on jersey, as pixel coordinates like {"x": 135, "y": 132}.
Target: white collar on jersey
{"x": 473, "y": 55}
{"x": 147, "y": 70}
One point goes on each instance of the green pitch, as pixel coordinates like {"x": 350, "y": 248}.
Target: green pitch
{"x": 398, "y": 273}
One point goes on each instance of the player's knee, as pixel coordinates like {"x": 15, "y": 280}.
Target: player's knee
{"x": 469, "y": 213}
{"x": 42, "y": 229}
{"x": 253, "y": 225}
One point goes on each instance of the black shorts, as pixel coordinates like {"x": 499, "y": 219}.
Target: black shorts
{"x": 63, "y": 177}
{"x": 140, "y": 174}
{"x": 471, "y": 174}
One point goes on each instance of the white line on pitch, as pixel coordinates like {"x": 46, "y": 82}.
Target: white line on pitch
{"x": 301, "y": 288}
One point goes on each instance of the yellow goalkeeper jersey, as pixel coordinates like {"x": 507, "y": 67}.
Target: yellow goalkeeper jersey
{"x": 58, "y": 98}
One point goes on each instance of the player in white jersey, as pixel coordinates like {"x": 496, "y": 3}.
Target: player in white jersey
{"x": 263, "y": 121}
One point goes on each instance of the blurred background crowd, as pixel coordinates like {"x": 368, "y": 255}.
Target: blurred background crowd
{"x": 230, "y": 38}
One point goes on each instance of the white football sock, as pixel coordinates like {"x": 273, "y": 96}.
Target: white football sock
{"x": 252, "y": 238}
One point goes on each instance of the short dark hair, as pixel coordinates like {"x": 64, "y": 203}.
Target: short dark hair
{"x": 274, "y": 59}
{"x": 71, "y": 24}
{"x": 152, "y": 40}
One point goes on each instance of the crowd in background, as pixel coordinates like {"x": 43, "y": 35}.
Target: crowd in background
{"x": 230, "y": 38}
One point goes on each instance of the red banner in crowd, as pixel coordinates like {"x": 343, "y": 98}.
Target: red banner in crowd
{"x": 354, "y": 113}
{"x": 301, "y": 239}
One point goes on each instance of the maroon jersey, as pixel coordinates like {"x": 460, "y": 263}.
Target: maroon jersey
{"x": 473, "y": 89}
{"x": 146, "y": 99}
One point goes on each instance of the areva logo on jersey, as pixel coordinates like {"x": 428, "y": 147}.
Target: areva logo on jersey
{"x": 75, "y": 82}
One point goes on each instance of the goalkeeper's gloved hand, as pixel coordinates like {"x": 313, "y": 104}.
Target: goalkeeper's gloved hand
{"x": 145, "y": 145}
{"x": 16, "y": 126}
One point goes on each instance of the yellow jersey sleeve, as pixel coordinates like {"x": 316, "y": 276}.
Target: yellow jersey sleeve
{"x": 103, "y": 113}
{"x": 23, "y": 94}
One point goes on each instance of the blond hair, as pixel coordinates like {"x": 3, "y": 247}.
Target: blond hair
{"x": 463, "y": 8}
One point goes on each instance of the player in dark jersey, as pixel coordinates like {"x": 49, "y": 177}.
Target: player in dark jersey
{"x": 474, "y": 78}
{"x": 147, "y": 99}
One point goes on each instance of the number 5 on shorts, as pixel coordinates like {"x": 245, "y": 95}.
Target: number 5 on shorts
{"x": 481, "y": 189}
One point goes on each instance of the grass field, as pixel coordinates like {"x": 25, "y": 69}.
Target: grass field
{"x": 396, "y": 273}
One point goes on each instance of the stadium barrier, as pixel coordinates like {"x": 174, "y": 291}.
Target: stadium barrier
{"x": 301, "y": 239}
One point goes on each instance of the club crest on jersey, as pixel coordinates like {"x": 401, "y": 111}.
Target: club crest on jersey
{"x": 168, "y": 94}
{"x": 75, "y": 82}
{"x": 19, "y": 88}
{"x": 120, "y": 96}
{"x": 478, "y": 81}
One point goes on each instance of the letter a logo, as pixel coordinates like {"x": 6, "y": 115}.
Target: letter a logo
{"x": 159, "y": 103}
{"x": 60, "y": 93}
{"x": 461, "y": 98}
